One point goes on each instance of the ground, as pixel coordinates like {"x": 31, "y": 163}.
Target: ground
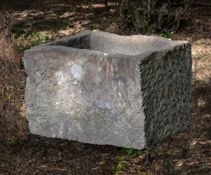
{"x": 186, "y": 153}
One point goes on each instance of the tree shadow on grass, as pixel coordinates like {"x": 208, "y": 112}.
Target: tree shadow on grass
{"x": 53, "y": 16}
{"x": 55, "y": 156}
{"x": 202, "y": 107}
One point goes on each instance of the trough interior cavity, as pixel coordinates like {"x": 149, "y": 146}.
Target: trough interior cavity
{"x": 115, "y": 44}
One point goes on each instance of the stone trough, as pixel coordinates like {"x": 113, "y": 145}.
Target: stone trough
{"x": 101, "y": 88}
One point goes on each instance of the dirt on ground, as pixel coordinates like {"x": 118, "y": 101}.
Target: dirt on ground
{"x": 187, "y": 153}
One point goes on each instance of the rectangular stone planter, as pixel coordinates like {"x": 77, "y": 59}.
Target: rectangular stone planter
{"x": 101, "y": 88}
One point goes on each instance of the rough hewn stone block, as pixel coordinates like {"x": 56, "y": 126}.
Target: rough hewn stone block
{"x": 101, "y": 88}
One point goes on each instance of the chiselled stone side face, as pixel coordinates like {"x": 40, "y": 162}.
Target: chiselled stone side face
{"x": 85, "y": 97}
{"x": 91, "y": 88}
{"x": 166, "y": 89}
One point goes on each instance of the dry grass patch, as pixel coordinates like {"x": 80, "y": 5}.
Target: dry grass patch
{"x": 11, "y": 86}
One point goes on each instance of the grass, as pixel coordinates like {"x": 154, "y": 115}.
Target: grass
{"x": 121, "y": 159}
{"x": 120, "y": 165}
{"x": 25, "y": 41}
{"x": 68, "y": 24}
{"x": 199, "y": 83}
{"x": 37, "y": 38}
{"x": 51, "y": 14}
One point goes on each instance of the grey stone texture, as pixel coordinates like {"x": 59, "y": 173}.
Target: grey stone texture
{"x": 102, "y": 88}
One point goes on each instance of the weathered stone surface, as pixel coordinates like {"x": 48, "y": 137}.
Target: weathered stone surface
{"x": 101, "y": 88}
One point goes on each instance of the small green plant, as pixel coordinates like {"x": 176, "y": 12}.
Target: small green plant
{"x": 120, "y": 165}
{"x": 97, "y": 26}
{"x": 199, "y": 83}
{"x": 205, "y": 163}
{"x": 44, "y": 38}
{"x": 23, "y": 36}
{"x": 20, "y": 48}
{"x": 130, "y": 151}
{"x": 166, "y": 34}
{"x": 36, "y": 38}
{"x": 50, "y": 13}
{"x": 68, "y": 23}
